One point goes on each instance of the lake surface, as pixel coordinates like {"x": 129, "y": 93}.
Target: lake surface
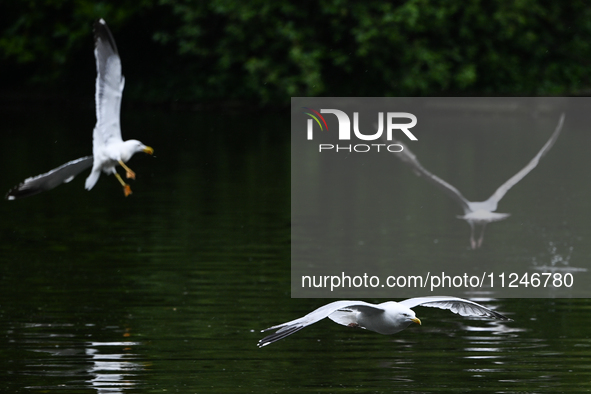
{"x": 167, "y": 290}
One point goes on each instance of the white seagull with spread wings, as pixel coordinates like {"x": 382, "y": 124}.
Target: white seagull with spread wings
{"x": 478, "y": 212}
{"x": 386, "y": 318}
{"x": 108, "y": 148}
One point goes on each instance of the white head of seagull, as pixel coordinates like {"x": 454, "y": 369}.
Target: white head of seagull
{"x": 108, "y": 148}
{"x": 386, "y": 318}
{"x": 478, "y": 213}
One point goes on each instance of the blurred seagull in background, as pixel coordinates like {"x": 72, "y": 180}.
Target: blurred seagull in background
{"x": 478, "y": 213}
{"x": 386, "y": 318}
{"x": 108, "y": 148}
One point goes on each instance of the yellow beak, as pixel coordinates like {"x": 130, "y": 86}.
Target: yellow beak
{"x": 148, "y": 150}
{"x": 416, "y": 320}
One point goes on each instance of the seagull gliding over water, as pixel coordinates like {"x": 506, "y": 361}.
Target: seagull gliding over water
{"x": 478, "y": 212}
{"x": 386, "y": 318}
{"x": 108, "y": 148}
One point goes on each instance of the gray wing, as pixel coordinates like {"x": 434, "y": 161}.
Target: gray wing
{"x": 352, "y": 314}
{"x": 109, "y": 86}
{"x": 504, "y": 188}
{"x": 293, "y": 326}
{"x": 457, "y": 305}
{"x": 49, "y": 180}
{"x": 407, "y": 157}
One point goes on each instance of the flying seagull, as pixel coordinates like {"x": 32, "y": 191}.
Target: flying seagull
{"x": 478, "y": 213}
{"x": 386, "y": 318}
{"x": 108, "y": 148}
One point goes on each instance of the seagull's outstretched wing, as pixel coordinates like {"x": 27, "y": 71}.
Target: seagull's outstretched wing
{"x": 49, "y": 180}
{"x": 293, "y": 326}
{"x": 456, "y": 305}
{"x": 109, "y": 86}
{"x": 411, "y": 160}
{"x": 504, "y": 188}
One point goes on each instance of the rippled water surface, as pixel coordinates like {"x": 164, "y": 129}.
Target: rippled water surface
{"x": 166, "y": 291}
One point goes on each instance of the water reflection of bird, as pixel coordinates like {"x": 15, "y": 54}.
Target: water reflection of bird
{"x": 386, "y": 318}
{"x": 108, "y": 149}
{"x": 478, "y": 213}
{"x": 113, "y": 370}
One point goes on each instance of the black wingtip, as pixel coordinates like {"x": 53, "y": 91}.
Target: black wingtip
{"x": 280, "y": 334}
{"x": 499, "y": 316}
{"x": 18, "y": 192}
{"x": 102, "y": 32}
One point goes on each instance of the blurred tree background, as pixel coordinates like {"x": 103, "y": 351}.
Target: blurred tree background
{"x": 264, "y": 52}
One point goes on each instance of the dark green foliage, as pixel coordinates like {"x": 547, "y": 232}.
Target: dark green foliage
{"x": 267, "y": 51}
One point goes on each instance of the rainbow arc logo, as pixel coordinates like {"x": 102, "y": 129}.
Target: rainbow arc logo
{"x": 316, "y": 117}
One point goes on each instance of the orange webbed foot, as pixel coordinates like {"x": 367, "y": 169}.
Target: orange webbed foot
{"x": 128, "y": 172}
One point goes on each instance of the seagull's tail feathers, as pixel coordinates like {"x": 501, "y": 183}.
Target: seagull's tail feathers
{"x": 92, "y": 179}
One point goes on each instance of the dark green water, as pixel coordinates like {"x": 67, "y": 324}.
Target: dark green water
{"x": 166, "y": 291}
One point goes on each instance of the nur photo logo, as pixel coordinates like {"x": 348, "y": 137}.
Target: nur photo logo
{"x": 388, "y": 124}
